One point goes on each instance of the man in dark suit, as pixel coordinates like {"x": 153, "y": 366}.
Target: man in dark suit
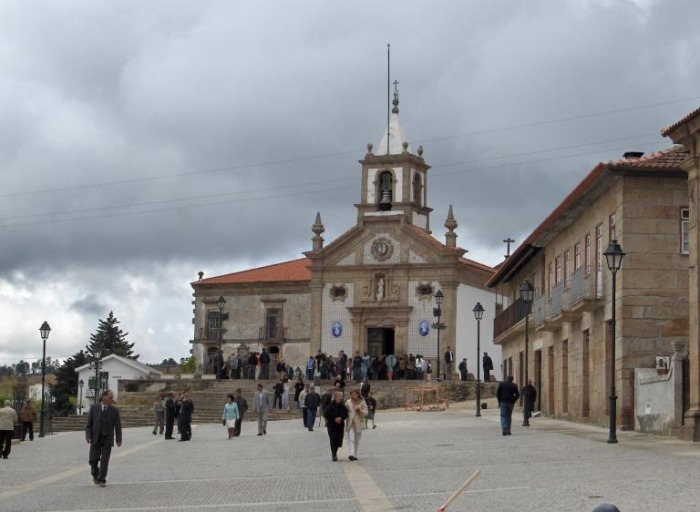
{"x": 242, "y": 404}
{"x": 170, "y": 411}
{"x": 185, "y": 417}
{"x": 103, "y": 427}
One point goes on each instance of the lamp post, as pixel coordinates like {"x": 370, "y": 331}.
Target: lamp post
{"x": 437, "y": 312}
{"x": 45, "y": 330}
{"x": 97, "y": 363}
{"x": 613, "y": 255}
{"x": 81, "y": 383}
{"x": 220, "y": 356}
{"x": 478, "y": 314}
{"x": 527, "y": 292}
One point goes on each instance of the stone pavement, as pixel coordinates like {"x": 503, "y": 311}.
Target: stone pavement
{"x": 412, "y": 461}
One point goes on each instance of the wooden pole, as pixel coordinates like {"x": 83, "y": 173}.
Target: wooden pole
{"x": 459, "y": 491}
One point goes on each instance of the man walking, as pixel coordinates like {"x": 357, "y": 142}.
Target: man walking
{"x": 8, "y": 418}
{"x": 312, "y": 401}
{"x": 529, "y": 397}
{"x": 185, "y": 417}
{"x": 487, "y": 366}
{"x": 262, "y": 408}
{"x": 336, "y": 413}
{"x": 103, "y": 427}
{"x": 242, "y": 404}
{"x": 26, "y": 416}
{"x": 507, "y": 394}
{"x": 169, "y": 415}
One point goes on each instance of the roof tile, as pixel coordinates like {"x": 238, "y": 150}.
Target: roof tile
{"x": 287, "y": 271}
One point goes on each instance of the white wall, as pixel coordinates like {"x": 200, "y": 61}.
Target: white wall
{"x": 467, "y": 297}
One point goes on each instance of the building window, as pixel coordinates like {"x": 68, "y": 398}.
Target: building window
{"x": 685, "y": 230}
{"x": 273, "y": 323}
{"x": 550, "y": 277}
{"x": 417, "y": 190}
{"x": 213, "y": 325}
{"x": 612, "y": 232}
{"x": 567, "y": 267}
{"x": 599, "y": 260}
{"x": 386, "y": 186}
{"x": 557, "y": 270}
{"x": 577, "y": 257}
{"x": 338, "y": 292}
{"x": 587, "y": 254}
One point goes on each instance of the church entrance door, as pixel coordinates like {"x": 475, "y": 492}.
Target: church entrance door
{"x": 380, "y": 341}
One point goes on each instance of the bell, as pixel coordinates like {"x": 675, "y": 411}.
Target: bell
{"x": 385, "y": 201}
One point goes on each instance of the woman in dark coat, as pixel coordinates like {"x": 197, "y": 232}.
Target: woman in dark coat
{"x": 336, "y": 413}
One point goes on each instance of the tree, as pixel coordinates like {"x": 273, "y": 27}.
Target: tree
{"x": 67, "y": 383}
{"x": 110, "y": 339}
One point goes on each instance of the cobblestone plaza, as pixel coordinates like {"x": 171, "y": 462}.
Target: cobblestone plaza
{"x": 412, "y": 461}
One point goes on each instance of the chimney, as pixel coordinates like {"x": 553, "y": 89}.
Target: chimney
{"x": 633, "y": 155}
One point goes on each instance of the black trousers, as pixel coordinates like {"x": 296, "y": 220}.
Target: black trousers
{"x": 185, "y": 430}
{"x": 237, "y": 426}
{"x": 100, "y": 450}
{"x": 169, "y": 422}
{"x": 28, "y": 428}
{"x": 335, "y": 436}
{"x": 6, "y": 442}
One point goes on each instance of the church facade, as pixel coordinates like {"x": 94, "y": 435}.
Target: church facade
{"x": 371, "y": 290}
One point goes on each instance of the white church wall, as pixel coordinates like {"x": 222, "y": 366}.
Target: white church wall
{"x": 421, "y": 312}
{"x": 337, "y": 311}
{"x": 467, "y": 297}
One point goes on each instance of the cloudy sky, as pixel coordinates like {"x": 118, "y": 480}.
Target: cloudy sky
{"x": 144, "y": 141}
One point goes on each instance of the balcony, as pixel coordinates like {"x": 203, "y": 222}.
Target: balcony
{"x": 584, "y": 295}
{"x": 209, "y": 335}
{"x": 509, "y": 317}
{"x": 275, "y": 334}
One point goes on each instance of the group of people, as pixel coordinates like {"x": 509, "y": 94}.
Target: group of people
{"x": 168, "y": 409}
{"x": 507, "y": 395}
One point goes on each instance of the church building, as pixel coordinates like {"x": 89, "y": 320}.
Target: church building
{"x": 373, "y": 289}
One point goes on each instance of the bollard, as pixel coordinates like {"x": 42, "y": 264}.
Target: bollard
{"x": 606, "y": 507}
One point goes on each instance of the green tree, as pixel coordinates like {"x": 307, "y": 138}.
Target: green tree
{"x": 188, "y": 365}
{"x": 110, "y": 339}
{"x": 67, "y": 383}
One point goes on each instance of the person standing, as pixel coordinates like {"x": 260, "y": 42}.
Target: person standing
{"x": 463, "y": 370}
{"x": 262, "y": 408}
{"x": 449, "y": 363}
{"x": 364, "y": 389}
{"x": 103, "y": 428}
{"x": 158, "y": 416}
{"x": 302, "y": 399}
{"x": 371, "y": 409}
{"x": 185, "y": 417}
{"x": 335, "y": 414}
{"x": 312, "y": 401}
{"x": 26, "y": 416}
{"x": 8, "y": 418}
{"x": 298, "y": 388}
{"x": 170, "y": 414}
{"x": 230, "y": 414}
{"x": 507, "y": 394}
{"x": 278, "y": 389}
{"x": 529, "y": 397}
{"x": 357, "y": 410}
{"x": 310, "y": 366}
{"x": 264, "y": 365}
{"x": 242, "y": 404}
{"x": 487, "y": 366}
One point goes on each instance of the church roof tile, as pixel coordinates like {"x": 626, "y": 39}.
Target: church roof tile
{"x": 287, "y": 271}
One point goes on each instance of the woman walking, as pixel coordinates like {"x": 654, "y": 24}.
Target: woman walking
{"x": 230, "y": 414}
{"x": 335, "y": 414}
{"x": 357, "y": 410}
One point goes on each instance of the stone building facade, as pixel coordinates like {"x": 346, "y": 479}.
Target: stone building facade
{"x": 370, "y": 290}
{"x": 642, "y": 202}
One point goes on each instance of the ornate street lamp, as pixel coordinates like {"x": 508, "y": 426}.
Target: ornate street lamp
{"x": 437, "y": 312}
{"x": 478, "y": 314}
{"x": 81, "y": 383}
{"x": 220, "y": 355}
{"x": 613, "y": 255}
{"x": 527, "y": 294}
{"x": 45, "y": 330}
{"x": 97, "y": 363}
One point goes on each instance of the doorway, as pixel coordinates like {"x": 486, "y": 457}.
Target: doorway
{"x": 380, "y": 341}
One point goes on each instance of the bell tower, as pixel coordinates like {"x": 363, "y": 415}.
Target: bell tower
{"x": 394, "y": 178}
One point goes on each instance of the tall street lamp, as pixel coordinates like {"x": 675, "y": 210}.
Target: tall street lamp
{"x": 220, "y": 356}
{"x": 45, "y": 330}
{"x": 81, "y": 383}
{"x": 437, "y": 312}
{"x": 478, "y": 314}
{"x": 613, "y": 255}
{"x": 527, "y": 293}
{"x": 97, "y": 363}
